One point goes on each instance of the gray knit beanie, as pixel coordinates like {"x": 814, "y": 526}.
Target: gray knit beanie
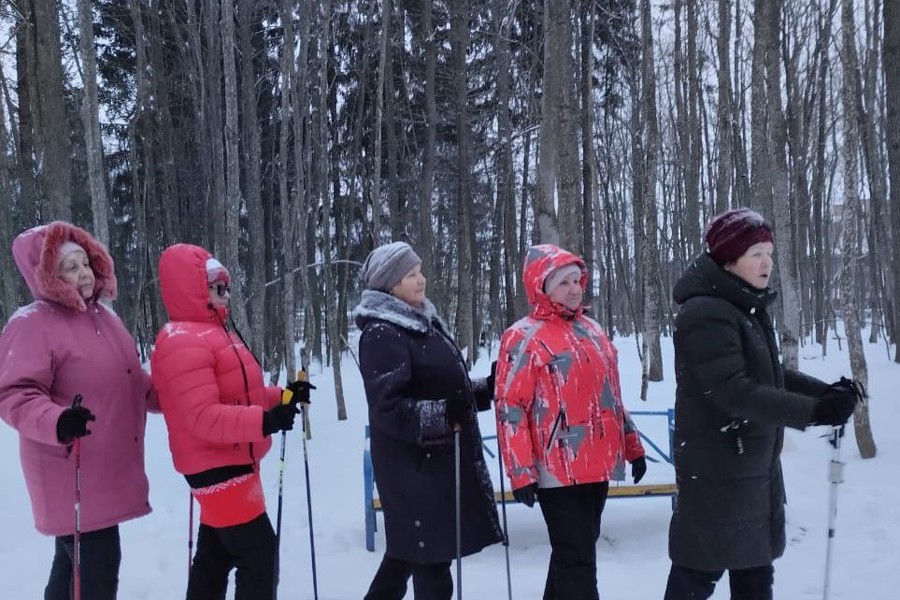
{"x": 387, "y": 265}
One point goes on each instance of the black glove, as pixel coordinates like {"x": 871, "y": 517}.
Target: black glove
{"x": 458, "y": 408}
{"x": 279, "y": 418}
{"x": 836, "y": 406}
{"x": 73, "y": 422}
{"x": 638, "y": 469}
{"x": 526, "y": 495}
{"x": 300, "y": 391}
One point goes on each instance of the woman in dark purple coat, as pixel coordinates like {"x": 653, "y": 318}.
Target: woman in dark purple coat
{"x": 418, "y": 390}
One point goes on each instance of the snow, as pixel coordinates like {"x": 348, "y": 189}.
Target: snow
{"x": 632, "y": 555}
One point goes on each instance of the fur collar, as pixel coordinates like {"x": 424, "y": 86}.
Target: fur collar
{"x": 376, "y": 305}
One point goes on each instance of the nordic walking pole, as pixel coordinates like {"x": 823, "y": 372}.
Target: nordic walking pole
{"x": 503, "y": 510}
{"x": 286, "y": 396}
{"x": 835, "y": 476}
{"x": 76, "y": 566}
{"x": 301, "y": 376}
{"x": 190, "y": 531}
{"x": 458, "y": 514}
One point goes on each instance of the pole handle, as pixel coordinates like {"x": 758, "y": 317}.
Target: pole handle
{"x": 286, "y": 394}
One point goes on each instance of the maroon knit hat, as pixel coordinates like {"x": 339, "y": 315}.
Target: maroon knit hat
{"x": 730, "y": 234}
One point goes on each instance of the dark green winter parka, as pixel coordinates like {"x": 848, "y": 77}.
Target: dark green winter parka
{"x": 732, "y": 403}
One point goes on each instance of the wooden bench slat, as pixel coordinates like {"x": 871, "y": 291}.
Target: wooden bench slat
{"x": 619, "y": 491}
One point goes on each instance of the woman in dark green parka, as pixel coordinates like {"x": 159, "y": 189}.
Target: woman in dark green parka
{"x": 732, "y": 403}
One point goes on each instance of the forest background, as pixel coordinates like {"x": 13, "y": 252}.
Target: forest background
{"x": 290, "y": 137}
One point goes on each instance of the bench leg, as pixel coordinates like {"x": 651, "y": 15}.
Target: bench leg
{"x": 370, "y": 528}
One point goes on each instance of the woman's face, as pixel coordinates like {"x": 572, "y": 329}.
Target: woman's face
{"x": 75, "y": 269}
{"x": 219, "y": 294}
{"x": 568, "y": 292}
{"x": 411, "y": 288}
{"x": 755, "y": 265}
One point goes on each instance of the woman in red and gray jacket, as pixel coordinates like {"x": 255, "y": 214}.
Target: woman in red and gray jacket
{"x": 220, "y": 415}
{"x": 562, "y": 427}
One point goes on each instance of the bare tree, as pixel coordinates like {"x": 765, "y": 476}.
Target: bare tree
{"x": 892, "y": 127}
{"x": 90, "y": 117}
{"x": 850, "y": 226}
{"x": 724, "y": 113}
{"x": 651, "y": 352}
{"x": 49, "y": 109}
{"x": 460, "y": 33}
{"x": 252, "y": 164}
{"x": 233, "y": 203}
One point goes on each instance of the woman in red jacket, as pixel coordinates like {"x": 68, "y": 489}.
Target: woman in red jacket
{"x": 563, "y": 429}
{"x": 219, "y": 414}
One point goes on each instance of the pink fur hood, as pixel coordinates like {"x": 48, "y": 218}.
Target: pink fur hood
{"x": 36, "y": 252}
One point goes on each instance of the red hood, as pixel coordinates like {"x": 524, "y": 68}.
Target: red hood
{"x": 182, "y": 280}
{"x": 540, "y": 261}
{"x": 36, "y": 252}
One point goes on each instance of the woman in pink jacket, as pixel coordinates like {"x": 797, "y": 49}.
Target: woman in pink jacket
{"x": 68, "y": 343}
{"x": 220, "y": 416}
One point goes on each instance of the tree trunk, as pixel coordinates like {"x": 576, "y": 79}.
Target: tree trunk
{"x": 288, "y": 209}
{"x": 545, "y": 214}
{"x": 652, "y": 355}
{"x": 588, "y": 160}
{"x": 424, "y": 248}
{"x": 25, "y": 82}
{"x": 250, "y": 21}
{"x": 233, "y": 199}
{"x": 892, "y": 131}
{"x": 850, "y": 228}
{"x": 782, "y": 208}
{"x": 52, "y": 149}
{"x": 9, "y": 274}
{"x": 90, "y": 117}
{"x": 459, "y": 28}
{"x": 380, "y": 93}
{"x": 564, "y": 105}
{"x": 723, "y": 122}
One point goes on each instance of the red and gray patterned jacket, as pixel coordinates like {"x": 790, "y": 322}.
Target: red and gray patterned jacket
{"x": 560, "y": 417}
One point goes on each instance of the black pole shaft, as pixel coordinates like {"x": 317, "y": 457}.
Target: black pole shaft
{"x": 458, "y": 517}
{"x": 312, "y": 541}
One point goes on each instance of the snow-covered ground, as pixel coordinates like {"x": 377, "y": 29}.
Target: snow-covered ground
{"x": 633, "y": 563}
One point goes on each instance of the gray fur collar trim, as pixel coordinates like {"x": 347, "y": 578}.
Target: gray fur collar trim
{"x": 380, "y": 305}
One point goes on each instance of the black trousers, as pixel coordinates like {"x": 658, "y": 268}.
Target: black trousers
{"x": 249, "y": 547}
{"x": 572, "y": 515}
{"x": 101, "y": 555}
{"x": 746, "y": 584}
{"x": 430, "y": 582}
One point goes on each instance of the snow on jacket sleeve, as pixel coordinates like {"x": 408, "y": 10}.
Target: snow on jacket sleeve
{"x": 515, "y": 385}
{"x": 384, "y": 361}
{"x": 26, "y": 376}
{"x": 184, "y": 374}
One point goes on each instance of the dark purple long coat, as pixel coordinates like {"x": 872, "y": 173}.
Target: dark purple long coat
{"x": 410, "y": 366}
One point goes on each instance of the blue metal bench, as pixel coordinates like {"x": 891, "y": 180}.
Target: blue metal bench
{"x": 372, "y": 504}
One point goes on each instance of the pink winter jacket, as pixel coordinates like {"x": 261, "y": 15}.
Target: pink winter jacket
{"x": 59, "y": 346}
{"x": 211, "y": 388}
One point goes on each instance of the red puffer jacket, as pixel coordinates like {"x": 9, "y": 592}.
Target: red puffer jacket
{"x": 560, "y": 417}
{"x": 210, "y": 386}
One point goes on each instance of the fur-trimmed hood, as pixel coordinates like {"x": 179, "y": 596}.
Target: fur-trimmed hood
{"x": 36, "y": 252}
{"x": 382, "y": 306}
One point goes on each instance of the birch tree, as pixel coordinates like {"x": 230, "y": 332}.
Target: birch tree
{"x": 850, "y": 226}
